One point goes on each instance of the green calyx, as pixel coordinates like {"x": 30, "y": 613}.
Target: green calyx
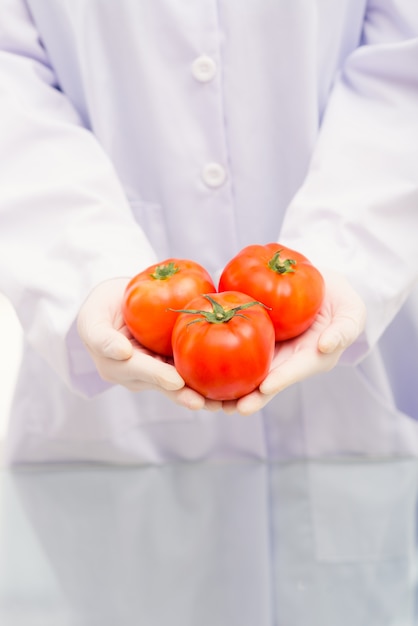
{"x": 279, "y": 266}
{"x": 163, "y": 272}
{"x": 218, "y": 315}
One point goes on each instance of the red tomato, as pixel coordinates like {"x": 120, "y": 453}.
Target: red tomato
{"x": 284, "y": 280}
{"x": 151, "y": 294}
{"x": 223, "y": 345}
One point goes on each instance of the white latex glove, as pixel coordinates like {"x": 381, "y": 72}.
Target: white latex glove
{"x": 119, "y": 359}
{"x": 339, "y": 323}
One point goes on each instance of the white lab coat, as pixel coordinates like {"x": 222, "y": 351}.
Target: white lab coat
{"x": 134, "y": 130}
{"x": 240, "y": 544}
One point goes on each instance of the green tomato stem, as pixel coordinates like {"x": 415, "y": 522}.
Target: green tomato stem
{"x": 163, "y": 272}
{"x": 279, "y": 266}
{"x": 219, "y": 315}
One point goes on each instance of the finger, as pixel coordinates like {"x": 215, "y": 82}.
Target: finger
{"x": 348, "y": 323}
{"x": 212, "y": 405}
{"x": 329, "y": 341}
{"x": 185, "y": 397}
{"x": 192, "y": 400}
{"x": 141, "y": 371}
{"x": 188, "y": 398}
{"x": 252, "y": 403}
{"x": 341, "y": 333}
{"x": 103, "y": 340}
{"x": 229, "y": 407}
{"x": 246, "y": 405}
{"x": 298, "y": 367}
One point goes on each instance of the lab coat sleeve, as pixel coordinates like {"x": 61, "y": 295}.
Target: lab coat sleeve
{"x": 357, "y": 210}
{"x": 65, "y": 223}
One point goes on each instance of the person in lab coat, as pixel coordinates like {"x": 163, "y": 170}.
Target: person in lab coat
{"x": 133, "y": 131}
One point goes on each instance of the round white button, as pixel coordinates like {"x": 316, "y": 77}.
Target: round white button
{"x": 214, "y": 174}
{"x": 204, "y": 68}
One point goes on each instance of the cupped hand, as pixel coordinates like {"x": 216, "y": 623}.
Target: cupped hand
{"x": 119, "y": 359}
{"x": 338, "y": 324}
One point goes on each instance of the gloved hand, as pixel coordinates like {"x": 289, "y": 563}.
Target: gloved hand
{"x": 339, "y": 323}
{"x": 119, "y": 359}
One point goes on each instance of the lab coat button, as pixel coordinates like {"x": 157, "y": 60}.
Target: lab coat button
{"x": 204, "y": 69}
{"x": 214, "y": 175}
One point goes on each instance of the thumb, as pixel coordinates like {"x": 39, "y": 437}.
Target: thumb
{"x": 105, "y": 341}
{"x": 342, "y": 332}
{"x": 330, "y": 340}
{"x": 348, "y": 315}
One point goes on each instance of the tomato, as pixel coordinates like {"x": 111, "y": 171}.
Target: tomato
{"x": 223, "y": 344}
{"x": 283, "y": 279}
{"x": 151, "y": 294}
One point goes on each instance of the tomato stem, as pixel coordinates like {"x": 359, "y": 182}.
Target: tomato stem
{"x": 163, "y": 272}
{"x": 218, "y": 315}
{"x": 279, "y": 266}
